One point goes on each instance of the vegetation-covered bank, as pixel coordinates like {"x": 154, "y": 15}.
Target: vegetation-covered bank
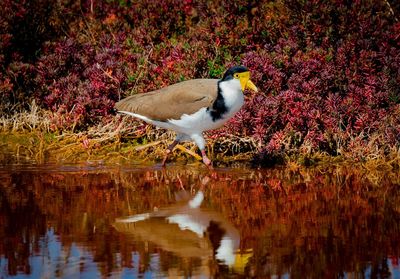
{"x": 27, "y": 138}
{"x": 328, "y": 74}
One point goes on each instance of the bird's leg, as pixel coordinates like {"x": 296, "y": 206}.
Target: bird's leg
{"x": 199, "y": 140}
{"x": 206, "y": 160}
{"x": 169, "y": 150}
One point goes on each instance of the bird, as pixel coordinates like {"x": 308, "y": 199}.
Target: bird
{"x": 186, "y": 229}
{"x": 191, "y": 107}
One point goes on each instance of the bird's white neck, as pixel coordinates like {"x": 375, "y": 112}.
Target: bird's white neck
{"x": 233, "y": 95}
{"x": 197, "y": 200}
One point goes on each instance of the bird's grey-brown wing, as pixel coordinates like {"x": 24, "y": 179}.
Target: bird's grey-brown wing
{"x": 173, "y": 101}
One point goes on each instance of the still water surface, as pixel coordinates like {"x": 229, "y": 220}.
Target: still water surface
{"x": 146, "y": 222}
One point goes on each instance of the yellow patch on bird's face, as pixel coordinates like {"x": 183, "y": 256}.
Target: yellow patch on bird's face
{"x": 245, "y": 81}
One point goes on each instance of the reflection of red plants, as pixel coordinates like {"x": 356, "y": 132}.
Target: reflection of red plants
{"x": 327, "y": 73}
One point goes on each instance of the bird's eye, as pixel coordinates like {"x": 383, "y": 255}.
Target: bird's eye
{"x": 236, "y": 75}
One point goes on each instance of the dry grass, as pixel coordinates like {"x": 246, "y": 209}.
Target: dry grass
{"x": 35, "y": 119}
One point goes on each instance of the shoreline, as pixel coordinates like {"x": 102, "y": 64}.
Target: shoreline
{"x": 39, "y": 147}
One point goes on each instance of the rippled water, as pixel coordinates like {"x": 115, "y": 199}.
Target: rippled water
{"x": 127, "y": 222}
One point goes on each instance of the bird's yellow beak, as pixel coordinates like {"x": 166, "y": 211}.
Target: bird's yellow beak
{"x": 246, "y": 83}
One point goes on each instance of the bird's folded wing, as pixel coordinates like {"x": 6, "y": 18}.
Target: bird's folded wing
{"x": 173, "y": 101}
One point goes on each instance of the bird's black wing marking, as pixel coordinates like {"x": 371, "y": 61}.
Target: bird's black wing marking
{"x": 219, "y": 107}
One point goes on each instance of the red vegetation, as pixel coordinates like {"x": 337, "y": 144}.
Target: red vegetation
{"x": 328, "y": 71}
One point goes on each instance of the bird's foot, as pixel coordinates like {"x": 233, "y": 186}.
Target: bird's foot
{"x": 167, "y": 152}
{"x": 206, "y": 160}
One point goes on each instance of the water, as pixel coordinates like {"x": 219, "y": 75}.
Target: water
{"x": 82, "y": 221}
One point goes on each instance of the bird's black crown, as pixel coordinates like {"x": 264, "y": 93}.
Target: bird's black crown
{"x": 235, "y": 69}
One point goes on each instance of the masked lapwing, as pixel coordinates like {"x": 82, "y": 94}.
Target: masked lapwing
{"x": 186, "y": 229}
{"x": 191, "y": 107}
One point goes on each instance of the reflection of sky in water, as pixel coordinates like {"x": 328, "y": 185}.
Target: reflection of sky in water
{"x": 53, "y": 260}
{"x": 56, "y": 261}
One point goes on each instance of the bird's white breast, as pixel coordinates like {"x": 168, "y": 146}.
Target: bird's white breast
{"x": 233, "y": 96}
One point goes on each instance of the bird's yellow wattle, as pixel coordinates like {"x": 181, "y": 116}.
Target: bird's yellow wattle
{"x": 246, "y": 83}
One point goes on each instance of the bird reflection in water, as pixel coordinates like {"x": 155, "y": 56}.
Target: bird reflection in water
{"x": 189, "y": 231}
